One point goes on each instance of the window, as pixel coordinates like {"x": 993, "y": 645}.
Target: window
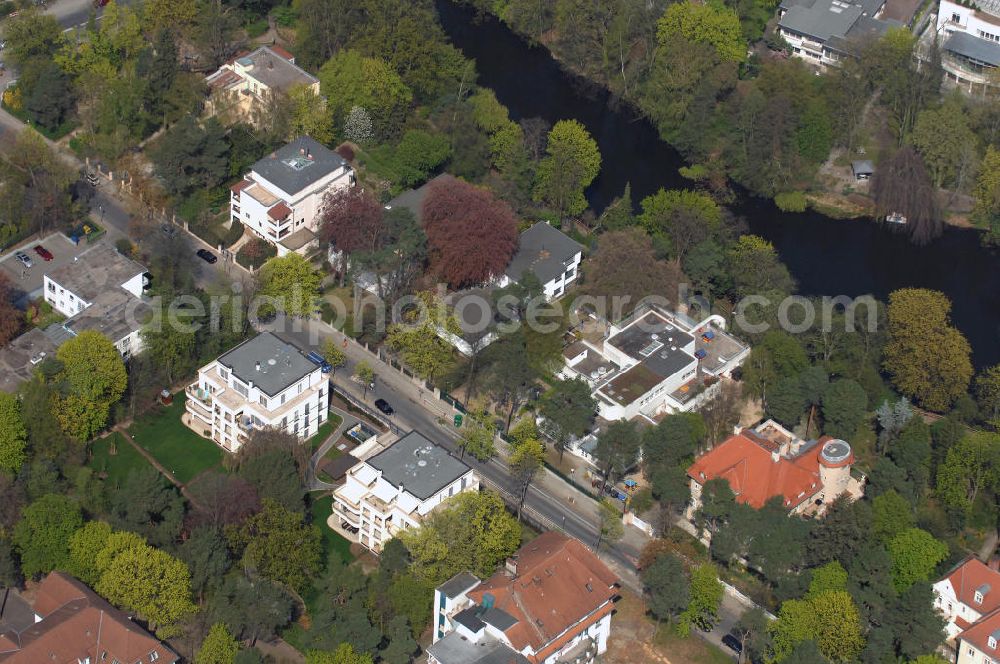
{"x": 52, "y": 287}
{"x": 263, "y": 401}
{"x": 282, "y": 399}
{"x": 153, "y": 656}
{"x": 223, "y": 374}
{"x": 463, "y": 483}
{"x": 979, "y": 597}
{"x": 241, "y": 389}
{"x": 569, "y": 273}
{"x": 992, "y": 643}
{"x": 956, "y": 17}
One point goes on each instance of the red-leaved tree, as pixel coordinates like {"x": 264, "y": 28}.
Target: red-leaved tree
{"x": 11, "y": 318}
{"x": 352, "y": 221}
{"x": 471, "y": 235}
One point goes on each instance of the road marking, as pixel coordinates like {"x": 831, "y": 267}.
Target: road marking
{"x": 81, "y": 25}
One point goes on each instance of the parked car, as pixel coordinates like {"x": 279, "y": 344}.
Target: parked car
{"x": 384, "y": 406}
{"x": 207, "y": 256}
{"x": 43, "y": 252}
{"x": 23, "y": 259}
{"x": 319, "y": 361}
{"x": 733, "y": 643}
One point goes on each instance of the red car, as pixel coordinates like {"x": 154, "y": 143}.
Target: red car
{"x": 43, "y": 252}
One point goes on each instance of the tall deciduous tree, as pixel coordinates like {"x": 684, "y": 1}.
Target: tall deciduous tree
{"x": 191, "y": 155}
{"x": 915, "y": 555}
{"x": 988, "y": 395}
{"x": 683, "y": 216}
{"x": 844, "y": 406}
{"x": 94, "y": 373}
{"x": 717, "y": 25}
{"x": 471, "y": 234}
{"x": 526, "y": 459}
{"x": 43, "y": 534}
{"x": 987, "y": 194}
{"x": 625, "y": 269}
{"x": 618, "y": 448}
{"x": 926, "y": 356}
{"x": 970, "y": 466}
{"x": 572, "y": 162}
{"x": 352, "y": 222}
{"x": 13, "y": 434}
{"x": 292, "y": 282}
{"x": 668, "y": 587}
{"x": 219, "y": 647}
{"x": 278, "y": 545}
{"x": 901, "y": 185}
{"x": 350, "y": 79}
{"x": 569, "y": 409}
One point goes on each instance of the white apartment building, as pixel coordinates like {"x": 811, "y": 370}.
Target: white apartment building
{"x": 263, "y": 382}
{"x": 395, "y": 489}
{"x": 969, "y": 36}
{"x": 101, "y": 290}
{"x": 652, "y": 363}
{"x": 240, "y": 88}
{"x": 550, "y": 254}
{"x": 280, "y": 199}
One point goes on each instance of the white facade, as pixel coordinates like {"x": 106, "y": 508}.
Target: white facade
{"x": 979, "y": 22}
{"x": 226, "y": 409}
{"x": 379, "y": 509}
{"x": 289, "y": 219}
{"x": 556, "y": 286}
{"x": 969, "y": 37}
{"x": 952, "y": 608}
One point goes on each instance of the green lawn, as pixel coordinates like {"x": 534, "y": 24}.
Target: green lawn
{"x": 181, "y": 451}
{"x": 117, "y": 466}
{"x": 325, "y": 429}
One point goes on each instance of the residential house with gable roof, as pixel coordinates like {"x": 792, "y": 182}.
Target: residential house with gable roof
{"x": 68, "y": 623}
{"x": 550, "y": 254}
{"x": 980, "y": 643}
{"x": 822, "y": 32}
{"x": 281, "y": 198}
{"x": 968, "y": 592}
{"x": 551, "y": 603}
{"x": 770, "y": 461}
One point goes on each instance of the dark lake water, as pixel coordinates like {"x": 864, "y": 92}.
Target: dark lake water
{"x": 826, "y": 256}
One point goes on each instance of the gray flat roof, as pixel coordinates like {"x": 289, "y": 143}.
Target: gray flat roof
{"x": 15, "y": 358}
{"x": 544, "y": 250}
{"x": 824, "y": 19}
{"x": 298, "y": 239}
{"x": 664, "y": 355}
{"x": 455, "y": 649}
{"x": 16, "y": 614}
{"x": 96, "y": 270}
{"x": 280, "y": 364}
{"x": 275, "y": 71}
{"x": 498, "y": 618}
{"x": 114, "y": 313}
{"x": 973, "y": 48}
{"x": 298, "y": 165}
{"x": 413, "y": 199}
{"x": 417, "y": 465}
{"x": 458, "y": 584}
{"x": 863, "y": 166}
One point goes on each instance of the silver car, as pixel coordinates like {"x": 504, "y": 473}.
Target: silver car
{"x": 23, "y": 258}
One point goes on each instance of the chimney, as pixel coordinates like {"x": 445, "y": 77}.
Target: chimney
{"x": 302, "y": 151}
{"x": 775, "y": 456}
{"x": 270, "y": 63}
{"x": 256, "y": 366}
{"x": 511, "y": 567}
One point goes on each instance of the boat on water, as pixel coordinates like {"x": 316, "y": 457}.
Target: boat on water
{"x": 895, "y": 218}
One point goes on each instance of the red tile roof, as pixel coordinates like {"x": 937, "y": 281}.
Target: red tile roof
{"x": 283, "y": 53}
{"x": 744, "y": 460}
{"x": 240, "y": 186}
{"x": 560, "y": 585}
{"x": 979, "y": 634}
{"x": 279, "y": 211}
{"x": 78, "y": 624}
{"x": 970, "y": 576}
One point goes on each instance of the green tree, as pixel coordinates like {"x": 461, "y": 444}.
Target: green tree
{"x": 568, "y": 409}
{"x": 250, "y": 609}
{"x": 489, "y": 114}
{"x": 988, "y": 395}
{"x": 147, "y": 504}
{"x": 831, "y": 576}
{"x": 987, "y": 194}
{"x": 526, "y": 459}
{"x": 292, "y": 282}
{"x": 472, "y": 532}
{"x": 13, "y": 434}
{"x": 945, "y": 141}
{"x": 572, "y": 162}
{"x": 191, "y": 155}
{"x": 43, "y": 534}
{"x": 970, "y": 466}
{"x": 830, "y": 619}
{"x": 706, "y": 596}
{"x": 756, "y": 268}
{"x": 32, "y": 34}
{"x": 713, "y": 24}
{"x": 915, "y": 555}
{"x": 618, "y": 448}
{"x": 364, "y": 373}
{"x": 478, "y": 436}
{"x": 610, "y": 526}
{"x": 219, "y": 647}
{"x": 344, "y": 654}
{"x": 84, "y": 547}
{"x": 207, "y": 557}
{"x": 95, "y": 378}
{"x": 150, "y": 582}
{"x": 349, "y": 79}
{"x": 844, "y": 406}
{"x": 278, "y": 545}
{"x": 891, "y": 514}
{"x": 927, "y": 358}
{"x": 683, "y": 216}
{"x": 668, "y": 587}
{"x": 335, "y": 355}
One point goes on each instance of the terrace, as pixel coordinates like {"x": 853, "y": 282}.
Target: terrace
{"x": 632, "y": 384}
